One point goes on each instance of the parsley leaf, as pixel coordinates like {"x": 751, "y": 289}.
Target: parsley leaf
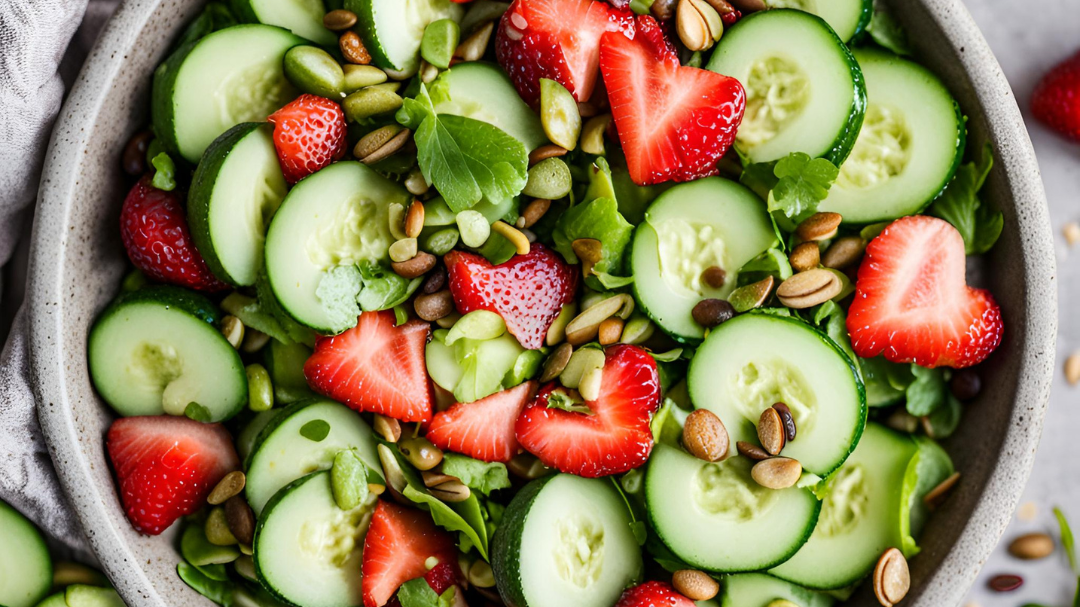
{"x": 465, "y": 159}
{"x": 802, "y": 183}
{"x": 979, "y": 224}
{"x": 481, "y": 476}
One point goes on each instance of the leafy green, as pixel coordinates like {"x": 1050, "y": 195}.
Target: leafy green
{"x": 1068, "y": 544}
{"x": 927, "y": 469}
{"x": 198, "y": 550}
{"x": 885, "y": 382}
{"x": 833, "y": 320}
{"x": 560, "y": 399}
{"x": 465, "y": 159}
{"x": 464, "y": 517}
{"x": 417, "y": 593}
{"x": 214, "y": 17}
{"x": 665, "y": 426}
{"x": 219, "y": 592}
{"x": 928, "y": 392}
{"x": 598, "y": 219}
{"x": 337, "y": 292}
{"x": 480, "y": 476}
{"x": 772, "y": 262}
{"x": 164, "y": 172}
{"x": 383, "y": 289}
{"x": 802, "y": 183}
{"x": 760, "y": 178}
{"x": 315, "y": 430}
{"x": 945, "y": 419}
{"x": 886, "y": 31}
{"x": 980, "y": 224}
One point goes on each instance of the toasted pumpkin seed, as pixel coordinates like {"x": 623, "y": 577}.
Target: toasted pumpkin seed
{"x": 705, "y": 436}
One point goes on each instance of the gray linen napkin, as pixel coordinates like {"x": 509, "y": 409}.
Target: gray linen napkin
{"x": 35, "y": 62}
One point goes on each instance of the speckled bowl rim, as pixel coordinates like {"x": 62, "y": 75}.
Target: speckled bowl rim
{"x": 54, "y": 380}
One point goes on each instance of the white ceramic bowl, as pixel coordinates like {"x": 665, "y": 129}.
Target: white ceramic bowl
{"x": 77, "y": 262}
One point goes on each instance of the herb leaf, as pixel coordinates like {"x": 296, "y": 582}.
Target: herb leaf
{"x": 979, "y": 224}
{"x": 480, "y": 476}
{"x": 598, "y": 219}
{"x": 559, "y": 399}
{"x": 417, "y": 593}
{"x": 927, "y": 393}
{"x": 197, "y": 412}
{"x": 1067, "y": 541}
{"x": 802, "y": 184}
{"x": 315, "y": 430}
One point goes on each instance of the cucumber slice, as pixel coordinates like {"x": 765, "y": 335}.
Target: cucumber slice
{"x": 285, "y": 363}
{"x": 804, "y": 90}
{"x": 482, "y": 91}
{"x": 155, "y": 350}
{"x": 910, "y": 146}
{"x": 755, "y": 360}
{"x": 80, "y": 595}
{"x": 760, "y": 590}
{"x": 338, "y": 216}
{"x": 859, "y": 517}
{"x": 235, "y": 191}
{"x": 577, "y": 535}
{"x": 714, "y": 516}
{"x": 205, "y": 88}
{"x": 692, "y": 226}
{"x": 392, "y": 29}
{"x": 301, "y": 17}
{"x": 245, "y": 440}
{"x": 281, "y": 454}
{"x": 848, "y": 18}
{"x": 307, "y": 550}
{"x": 26, "y": 570}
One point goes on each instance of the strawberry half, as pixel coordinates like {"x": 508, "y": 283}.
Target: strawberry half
{"x": 653, "y": 594}
{"x": 375, "y": 367}
{"x": 1056, "y": 99}
{"x": 615, "y": 438}
{"x": 309, "y": 134}
{"x": 398, "y": 542}
{"x": 528, "y": 291}
{"x": 154, "y": 229}
{"x": 166, "y": 466}
{"x": 558, "y": 40}
{"x": 912, "y": 302}
{"x": 674, "y": 122}
{"x": 483, "y": 429}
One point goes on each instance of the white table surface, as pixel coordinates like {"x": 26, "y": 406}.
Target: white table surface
{"x": 1029, "y": 37}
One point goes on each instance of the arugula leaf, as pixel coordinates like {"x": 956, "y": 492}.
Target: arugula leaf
{"x": 886, "y": 31}
{"x": 465, "y": 159}
{"x": 417, "y": 593}
{"x": 338, "y": 291}
{"x": 927, "y": 469}
{"x": 1067, "y": 542}
{"x": 598, "y": 219}
{"x": 802, "y": 183}
{"x": 479, "y": 476}
{"x": 928, "y": 392}
{"x": 979, "y": 224}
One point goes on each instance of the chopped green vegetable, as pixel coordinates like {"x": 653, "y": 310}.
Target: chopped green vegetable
{"x": 349, "y": 479}
{"x": 164, "y": 172}
{"x": 315, "y": 430}
{"x": 439, "y": 42}
{"x": 197, "y": 412}
{"x": 980, "y": 224}
{"x": 480, "y": 476}
{"x": 560, "y": 399}
{"x": 219, "y": 592}
{"x": 383, "y": 289}
{"x": 478, "y": 324}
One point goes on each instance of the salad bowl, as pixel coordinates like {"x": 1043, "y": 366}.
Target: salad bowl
{"x": 77, "y": 262}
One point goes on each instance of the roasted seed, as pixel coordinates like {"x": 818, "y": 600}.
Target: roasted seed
{"x": 527, "y": 466}
{"x": 448, "y": 321}
{"x": 699, "y": 25}
{"x": 420, "y": 453}
{"x": 819, "y": 226}
{"x": 434, "y": 306}
{"x": 534, "y": 211}
{"x": 722, "y": 6}
{"x": 521, "y": 243}
{"x": 808, "y": 289}
{"x": 1072, "y": 369}
{"x": 352, "y": 48}
{"x": 843, "y": 252}
{"x": 777, "y": 472}
{"x": 403, "y": 250}
{"x": 1032, "y": 546}
{"x": 217, "y": 528}
{"x": 229, "y": 485}
{"x": 770, "y": 431}
{"x": 705, "y": 436}
{"x": 805, "y": 256}
{"x": 610, "y": 331}
{"x": 714, "y": 276}
{"x": 589, "y": 386}
{"x": 787, "y": 419}
{"x": 134, "y": 158}
{"x": 432, "y": 478}
{"x": 902, "y": 421}
{"x": 753, "y": 295}
{"x": 663, "y": 10}
{"x": 556, "y": 362}
{"x": 695, "y": 585}
{"x": 414, "y": 219}
{"x": 751, "y": 451}
{"x": 388, "y": 149}
{"x": 233, "y": 330}
{"x": 1071, "y": 231}
{"x": 589, "y": 251}
{"x": 546, "y": 151}
{"x": 481, "y": 575}
{"x": 586, "y": 325}
{"x": 241, "y": 519}
{"x": 392, "y": 472}
{"x": 419, "y": 265}
{"x": 435, "y": 282}
{"x": 388, "y": 428}
{"x": 557, "y": 331}
{"x": 254, "y": 341}
{"x": 415, "y": 182}
{"x": 592, "y": 134}
{"x": 474, "y": 47}
{"x": 375, "y": 140}
{"x": 710, "y": 313}
{"x": 892, "y": 580}
{"x": 1005, "y": 583}
{"x": 938, "y": 494}
{"x": 965, "y": 384}
{"x": 339, "y": 20}
{"x": 749, "y": 6}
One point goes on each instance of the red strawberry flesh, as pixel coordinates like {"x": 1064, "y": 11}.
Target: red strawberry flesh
{"x": 309, "y": 134}
{"x": 528, "y": 291}
{"x": 616, "y": 437}
{"x": 396, "y": 547}
{"x": 376, "y": 367}
{"x": 166, "y": 466}
{"x": 653, "y": 594}
{"x": 674, "y": 122}
{"x": 912, "y": 303}
{"x": 483, "y": 429}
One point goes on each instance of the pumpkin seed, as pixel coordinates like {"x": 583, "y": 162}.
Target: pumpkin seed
{"x": 474, "y": 228}
{"x": 705, "y": 436}
{"x": 260, "y": 388}
{"x": 315, "y": 71}
{"x": 695, "y": 585}
{"x": 439, "y": 42}
{"x": 548, "y": 179}
{"x": 892, "y": 579}
{"x": 777, "y": 472}
{"x": 559, "y": 114}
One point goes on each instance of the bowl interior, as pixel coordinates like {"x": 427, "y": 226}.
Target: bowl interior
{"x": 78, "y": 260}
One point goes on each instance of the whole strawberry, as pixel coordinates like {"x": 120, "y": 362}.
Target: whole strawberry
{"x": 154, "y": 230}
{"x": 1056, "y": 99}
{"x": 309, "y": 134}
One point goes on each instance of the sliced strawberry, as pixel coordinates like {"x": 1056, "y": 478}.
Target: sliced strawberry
{"x": 483, "y": 429}
{"x": 674, "y": 122}
{"x": 166, "y": 466}
{"x": 615, "y": 437}
{"x": 309, "y": 134}
{"x": 375, "y": 367}
{"x": 912, "y": 302}
{"x": 154, "y": 229}
{"x": 558, "y": 40}
{"x": 528, "y": 291}
{"x": 1056, "y": 99}
{"x": 442, "y": 577}
{"x": 653, "y": 594}
{"x": 397, "y": 544}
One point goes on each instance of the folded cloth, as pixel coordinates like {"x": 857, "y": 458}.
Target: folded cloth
{"x": 34, "y": 54}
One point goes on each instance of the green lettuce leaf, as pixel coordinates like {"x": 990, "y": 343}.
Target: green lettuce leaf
{"x": 483, "y": 477}
{"x": 598, "y": 219}
{"x": 980, "y": 224}
{"x": 383, "y": 289}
